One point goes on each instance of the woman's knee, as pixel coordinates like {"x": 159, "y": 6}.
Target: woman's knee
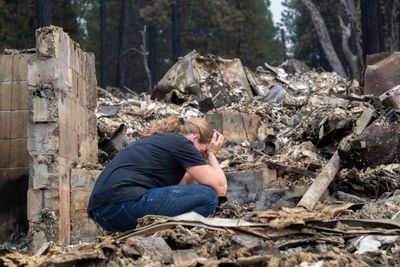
{"x": 210, "y": 195}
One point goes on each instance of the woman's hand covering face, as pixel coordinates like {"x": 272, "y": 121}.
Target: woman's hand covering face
{"x": 217, "y": 141}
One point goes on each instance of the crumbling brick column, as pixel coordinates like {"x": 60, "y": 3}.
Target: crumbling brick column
{"x": 62, "y": 130}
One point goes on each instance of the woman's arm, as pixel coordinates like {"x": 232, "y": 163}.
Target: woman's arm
{"x": 188, "y": 179}
{"x": 211, "y": 174}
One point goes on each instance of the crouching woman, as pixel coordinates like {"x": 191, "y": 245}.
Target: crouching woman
{"x": 172, "y": 170}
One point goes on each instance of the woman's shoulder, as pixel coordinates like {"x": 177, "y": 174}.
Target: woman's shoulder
{"x": 165, "y": 137}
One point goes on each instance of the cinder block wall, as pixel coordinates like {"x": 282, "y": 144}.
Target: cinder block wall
{"x": 13, "y": 142}
{"x": 62, "y": 130}
{"x": 83, "y": 229}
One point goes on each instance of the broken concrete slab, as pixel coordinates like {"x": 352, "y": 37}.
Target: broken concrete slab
{"x": 235, "y": 125}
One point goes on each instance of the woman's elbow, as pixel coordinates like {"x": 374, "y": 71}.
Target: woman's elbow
{"x": 222, "y": 189}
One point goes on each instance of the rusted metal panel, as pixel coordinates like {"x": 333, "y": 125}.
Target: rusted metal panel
{"x": 383, "y": 75}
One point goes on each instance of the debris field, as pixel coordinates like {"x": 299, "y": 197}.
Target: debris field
{"x": 312, "y": 165}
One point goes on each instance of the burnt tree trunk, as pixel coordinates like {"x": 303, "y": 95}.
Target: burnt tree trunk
{"x": 352, "y": 36}
{"x": 123, "y": 42}
{"x": 395, "y": 35}
{"x": 176, "y": 46}
{"x": 350, "y": 56}
{"x": 44, "y": 14}
{"x": 283, "y": 45}
{"x": 324, "y": 38}
{"x": 372, "y": 29}
{"x": 152, "y": 57}
{"x": 103, "y": 45}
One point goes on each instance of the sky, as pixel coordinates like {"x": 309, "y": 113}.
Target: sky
{"x": 276, "y": 9}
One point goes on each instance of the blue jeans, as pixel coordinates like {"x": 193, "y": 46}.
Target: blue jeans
{"x": 168, "y": 201}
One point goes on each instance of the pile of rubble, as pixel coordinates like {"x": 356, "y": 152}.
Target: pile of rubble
{"x": 298, "y": 126}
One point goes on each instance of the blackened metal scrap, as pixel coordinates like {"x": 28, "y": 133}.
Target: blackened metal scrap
{"x": 377, "y": 144}
{"x": 368, "y": 183}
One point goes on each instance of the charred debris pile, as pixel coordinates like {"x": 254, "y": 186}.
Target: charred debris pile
{"x": 329, "y": 154}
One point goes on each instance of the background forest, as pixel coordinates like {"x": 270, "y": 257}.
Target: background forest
{"x": 328, "y": 35}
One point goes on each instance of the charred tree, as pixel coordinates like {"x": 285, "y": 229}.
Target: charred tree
{"x": 176, "y": 46}
{"x": 103, "y": 45}
{"x": 152, "y": 57}
{"x": 44, "y": 13}
{"x": 283, "y": 45}
{"x": 324, "y": 38}
{"x": 372, "y": 30}
{"x": 395, "y": 19}
{"x": 352, "y": 36}
{"x": 123, "y": 42}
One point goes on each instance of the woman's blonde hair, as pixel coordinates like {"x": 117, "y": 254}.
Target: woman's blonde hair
{"x": 184, "y": 126}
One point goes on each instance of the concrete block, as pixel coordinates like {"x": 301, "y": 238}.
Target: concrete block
{"x": 6, "y": 67}
{"x": 5, "y": 123}
{"x": 88, "y": 150}
{"x": 63, "y": 61}
{"x": 79, "y": 200}
{"x": 18, "y": 153}
{"x": 19, "y": 96}
{"x": 47, "y": 41}
{"x": 82, "y": 91}
{"x": 42, "y": 72}
{"x": 5, "y": 153}
{"x": 5, "y": 95}
{"x": 74, "y": 58}
{"x": 38, "y": 240}
{"x": 68, "y": 125}
{"x": 82, "y": 122}
{"x": 51, "y": 198}
{"x": 40, "y": 109}
{"x": 42, "y": 138}
{"x": 40, "y": 176}
{"x": 74, "y": 87}
{"x": 83, "y": 63}
{"x": 235, "y": 126}
{"x": 35, "y": 204}
{"x": 91, "y": 88}
{"x": 19, "y": 124}
{"x": 83, "y": 229}
{"x": 84, "y": 179}
{"x": 20, "y": 67}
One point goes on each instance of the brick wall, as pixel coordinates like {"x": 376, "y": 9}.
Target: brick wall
{"x": 13, "y": 142}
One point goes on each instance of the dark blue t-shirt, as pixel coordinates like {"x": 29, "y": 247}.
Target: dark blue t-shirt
{"x": 155, "y": 161}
